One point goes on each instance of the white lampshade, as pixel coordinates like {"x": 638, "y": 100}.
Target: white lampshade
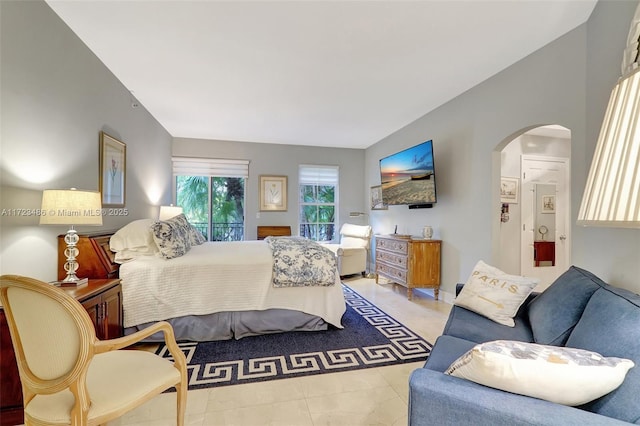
{"x": 612, "y": 194}
{"x": 167, "y": 212}
{"x": 71, "y": 207}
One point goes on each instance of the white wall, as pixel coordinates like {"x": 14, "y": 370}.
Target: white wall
{"x": 56, "y": 97}
{"x": 276, "y": 159}
{"x": 567, "y": 83}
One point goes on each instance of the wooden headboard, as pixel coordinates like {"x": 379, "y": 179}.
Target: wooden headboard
{"x": 273, "y": 231}
{"x": 95, "y": 258}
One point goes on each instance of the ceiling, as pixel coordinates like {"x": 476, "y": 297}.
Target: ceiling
{"x": 322, "y": 73}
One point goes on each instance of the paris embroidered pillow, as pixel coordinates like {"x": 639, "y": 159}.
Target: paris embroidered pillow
{"x": 494, "y": 294}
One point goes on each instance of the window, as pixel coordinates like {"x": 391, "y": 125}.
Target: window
{"x": 318, "y": 198}
{"x": 211, "y": 193}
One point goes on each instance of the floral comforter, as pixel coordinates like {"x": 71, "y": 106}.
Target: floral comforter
{"x": 299, "y": 262}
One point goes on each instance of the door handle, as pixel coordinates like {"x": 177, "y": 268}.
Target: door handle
{"x": 562, "y": 237}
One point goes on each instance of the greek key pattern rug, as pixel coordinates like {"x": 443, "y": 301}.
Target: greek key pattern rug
{"x": 370, "y": 338}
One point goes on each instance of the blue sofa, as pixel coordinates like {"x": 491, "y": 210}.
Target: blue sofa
{"x": 578, "y": 310}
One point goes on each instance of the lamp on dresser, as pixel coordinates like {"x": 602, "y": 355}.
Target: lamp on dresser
{"x": 71, "y": 207}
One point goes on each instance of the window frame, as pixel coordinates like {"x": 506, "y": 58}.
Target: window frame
{"x": 318, "y": 176}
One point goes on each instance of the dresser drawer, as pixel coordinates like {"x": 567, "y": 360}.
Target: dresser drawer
{"x": 397, "y": 275}
{"x": 394, "y": 245}
{"x": 410, "y": 262}
{"x": 397, "y": 260}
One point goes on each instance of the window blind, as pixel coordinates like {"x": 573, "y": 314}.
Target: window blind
{"x": 213, "y": 167}
{"x": 318, "y": 175}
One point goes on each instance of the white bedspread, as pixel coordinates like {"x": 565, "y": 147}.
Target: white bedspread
{"x": 217, "y": 277}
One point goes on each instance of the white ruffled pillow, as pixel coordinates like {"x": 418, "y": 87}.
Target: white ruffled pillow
{"x": 133, "y": 240}
{"x": 494, "y": 294}
{"x": 558, "y": 374}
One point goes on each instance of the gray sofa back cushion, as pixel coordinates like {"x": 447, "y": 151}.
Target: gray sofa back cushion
{"x": 610, "y": 325}
{"x": 555, "y": 312}
{"x": 466, "y": 324}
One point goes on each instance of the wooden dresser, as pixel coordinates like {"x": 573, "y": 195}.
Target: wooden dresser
{"x": 544, "y": 251}
{"x": 411, "y": 262}
{"x": 273, "y": 231}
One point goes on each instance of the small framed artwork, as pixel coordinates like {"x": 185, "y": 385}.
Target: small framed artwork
{"x": 548, "y": 204}
{"x": 509, "y": 190}
{"x": 273, "y": 193}
{"x": 113, "y": 171}
{"x": 377, "y": 203}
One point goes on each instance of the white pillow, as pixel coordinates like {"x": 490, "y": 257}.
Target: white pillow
{"x": 558, "y": 374}
{"x": 135, "y": 237}
{"x": 124, "y": 256}
{"x": 495, "y": 294}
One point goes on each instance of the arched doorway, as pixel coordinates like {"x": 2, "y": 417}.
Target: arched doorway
{"x": 531, "y": 234}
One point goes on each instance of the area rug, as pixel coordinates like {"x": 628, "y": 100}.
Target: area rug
{"x": 370, "y": 338}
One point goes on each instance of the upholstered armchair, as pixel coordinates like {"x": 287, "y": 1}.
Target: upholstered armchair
{"x": 68, "y": 376}
{"x": 352, "y": 251}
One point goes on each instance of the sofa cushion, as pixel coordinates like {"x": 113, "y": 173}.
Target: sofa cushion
{"x": 494, "y": 293}
{"x": 610, "y": 325}
{"x": 446, "y": 350}
{"x": 555, "y": 312}
{"x": 558, "y": 374}
{"x": 468, "y": 325}
{"x": 442, "y": 400}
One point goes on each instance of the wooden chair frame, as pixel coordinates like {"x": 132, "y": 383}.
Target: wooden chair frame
{"x": 89, "y": 346}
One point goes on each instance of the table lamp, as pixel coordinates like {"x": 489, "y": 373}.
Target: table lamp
{"x": 167, "y": 212}
{"x": 71, "y": 207}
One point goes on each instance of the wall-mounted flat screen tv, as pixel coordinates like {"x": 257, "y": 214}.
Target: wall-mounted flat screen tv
{"x": 408, "y": 177}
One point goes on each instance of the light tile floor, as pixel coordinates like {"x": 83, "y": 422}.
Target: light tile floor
{"x": 374, "y": 396}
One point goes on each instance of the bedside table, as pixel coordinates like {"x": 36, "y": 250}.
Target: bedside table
{"x": 102, "y": 298}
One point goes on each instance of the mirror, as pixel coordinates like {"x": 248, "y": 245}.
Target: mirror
{"x": 544, "y": 246}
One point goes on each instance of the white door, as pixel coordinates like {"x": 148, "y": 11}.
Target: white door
{"x": 545, "y": 218}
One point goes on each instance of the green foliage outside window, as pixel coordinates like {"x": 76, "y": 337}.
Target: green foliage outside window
{"x": 317, "y": 212}
{"x": 225, "y": 208}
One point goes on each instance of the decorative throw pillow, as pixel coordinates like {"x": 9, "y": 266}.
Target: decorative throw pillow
{"x": 195, "y": 237}
{"x": 494, "y": 294}
{"x": 554, "y": 373}
{"x": 172, "y": 236}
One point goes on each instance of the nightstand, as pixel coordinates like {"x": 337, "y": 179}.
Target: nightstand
{"x": 102, "y": 298}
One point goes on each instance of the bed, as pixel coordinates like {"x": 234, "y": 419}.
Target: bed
{"x": 221, "y": 290}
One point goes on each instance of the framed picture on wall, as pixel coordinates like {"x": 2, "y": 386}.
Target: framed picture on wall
{"x": 548, "y": 204}
{"x": 273, "y": 193}
{"x": 113, "y": 170}
{"x": 376, "y": 198}
{"x": 509, "y": 190}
